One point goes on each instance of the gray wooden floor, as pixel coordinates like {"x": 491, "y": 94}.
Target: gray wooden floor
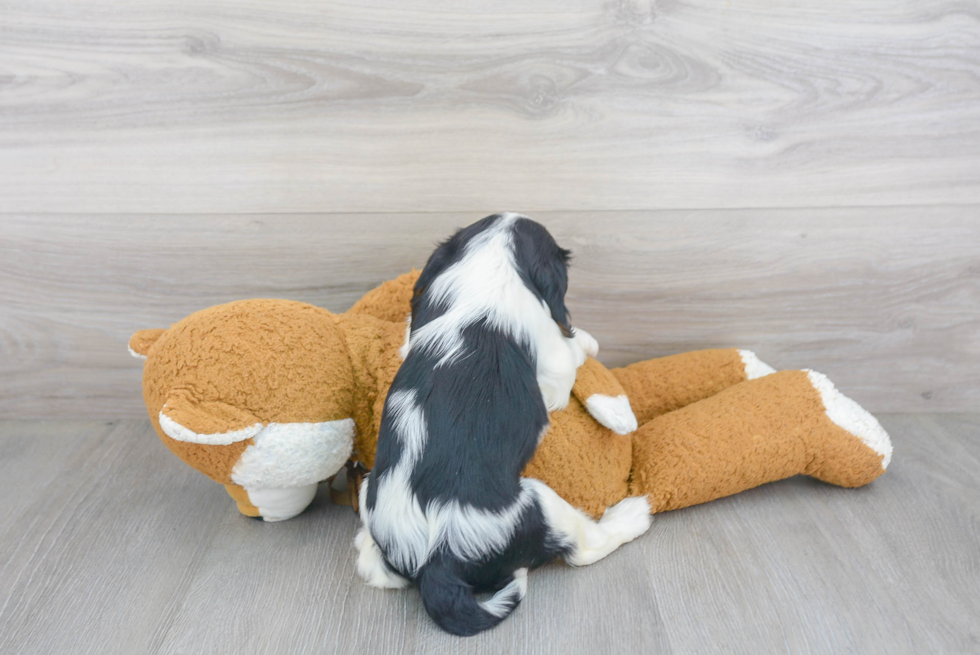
{"x": 110, "y": 545}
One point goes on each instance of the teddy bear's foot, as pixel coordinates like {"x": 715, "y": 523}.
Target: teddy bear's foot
{"x": 758, "y": 431}
{"x": 240, "y": 496}
{"x": 855, "y": 449}
{"x": 272, "y": 504}
{"x": 754, "y": 367}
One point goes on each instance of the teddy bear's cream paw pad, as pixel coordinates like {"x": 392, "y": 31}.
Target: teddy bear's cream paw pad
{"x": 612, "y": 412}
{"x": 282, "y": 504}
{"x": 754, "y": 367}
{"x": 847, "y": 414}
{"x": 370, "y": 563}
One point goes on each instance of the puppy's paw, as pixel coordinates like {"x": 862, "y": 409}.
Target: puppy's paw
{"x": 371, "y": 566}
{"x": 555, "y": 397}
{"x": 586, "y": 342}
{"x": 612, "y": 412}
{"x": 627, "y": 519}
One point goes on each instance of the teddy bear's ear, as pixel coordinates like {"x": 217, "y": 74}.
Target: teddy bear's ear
{"x": 186, "y": 418}
{"x": 141, "y": 342}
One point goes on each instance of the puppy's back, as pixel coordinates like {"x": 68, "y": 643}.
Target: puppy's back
{"x": 465, "y": 413}
{"x": 483, "y": 415}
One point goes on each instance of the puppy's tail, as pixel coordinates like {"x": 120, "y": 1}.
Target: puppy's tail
{"x": 451, "y": 603}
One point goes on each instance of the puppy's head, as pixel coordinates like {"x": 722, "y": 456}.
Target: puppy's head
{"x": 540, "y": 262}
{"x": 543, "y": 267}
{"x": 445, "y": 255}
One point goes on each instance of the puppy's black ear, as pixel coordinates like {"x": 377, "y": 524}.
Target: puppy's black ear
{"x": 543, "y": 267}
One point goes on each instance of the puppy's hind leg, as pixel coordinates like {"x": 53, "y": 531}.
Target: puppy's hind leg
{"x": 371, "y": 565}
{"x": 588, "y": 541}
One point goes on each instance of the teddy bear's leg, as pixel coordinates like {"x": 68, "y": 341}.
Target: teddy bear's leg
{"x": 662, "y": 385}
{"x": 240, "y": 496}
{"x": 275, "y": 504}
{"x": 762, "y": 430}
{"x": 272, "y": 504}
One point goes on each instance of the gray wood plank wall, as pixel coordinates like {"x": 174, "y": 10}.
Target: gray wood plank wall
{"x": 799, "y": 180}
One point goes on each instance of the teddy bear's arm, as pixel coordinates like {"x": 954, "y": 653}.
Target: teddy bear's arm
{"x": 390, "y": 301}
{"x": 604, "y": 397}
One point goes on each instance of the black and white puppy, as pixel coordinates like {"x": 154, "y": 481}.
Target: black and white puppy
{"x": 490, "y": 352}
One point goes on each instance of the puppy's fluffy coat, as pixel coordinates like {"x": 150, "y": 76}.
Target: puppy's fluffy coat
{"x": 490, "y": 352}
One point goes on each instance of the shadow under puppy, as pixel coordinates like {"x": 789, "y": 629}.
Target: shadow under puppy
{"x": 490, "y": 353}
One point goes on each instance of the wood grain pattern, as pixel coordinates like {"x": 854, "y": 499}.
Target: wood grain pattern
{"x": 303, "y": 106}
{"x": 885, "y": 301}
{"x": 100, "y": 556}
{"x": 116, "y": 547}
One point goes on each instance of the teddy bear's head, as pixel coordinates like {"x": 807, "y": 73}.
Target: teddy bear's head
{"x": 225, "y": 375}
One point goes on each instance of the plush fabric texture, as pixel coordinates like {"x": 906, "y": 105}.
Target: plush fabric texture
{"x": 391, "y": 301}
{"x": 705, "y": 431}
{"x": 228, "y": 367}
{"x": 240, "y": 496}
{"x": 706, "y": 450}
{"x": 373, "y": 346}
{"x": 594, "y": 378}
{"x": 662, "y": 385}
{"x": 586, "y": 464}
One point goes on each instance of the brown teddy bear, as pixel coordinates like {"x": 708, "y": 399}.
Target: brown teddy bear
{"x": 271, "y": 397}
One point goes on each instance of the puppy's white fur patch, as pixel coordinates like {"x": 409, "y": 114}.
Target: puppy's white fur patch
{"x": 370, "y": 563}
{"x": 590, "y": 540}
{"x": 485, "y": 283}
{"x": 510, "y": 595}
{"x": 399, "y": 522}
{"x": 471, "y": 533}
{"x": 586, "y": 342}
{"x": 403, "y": 351}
